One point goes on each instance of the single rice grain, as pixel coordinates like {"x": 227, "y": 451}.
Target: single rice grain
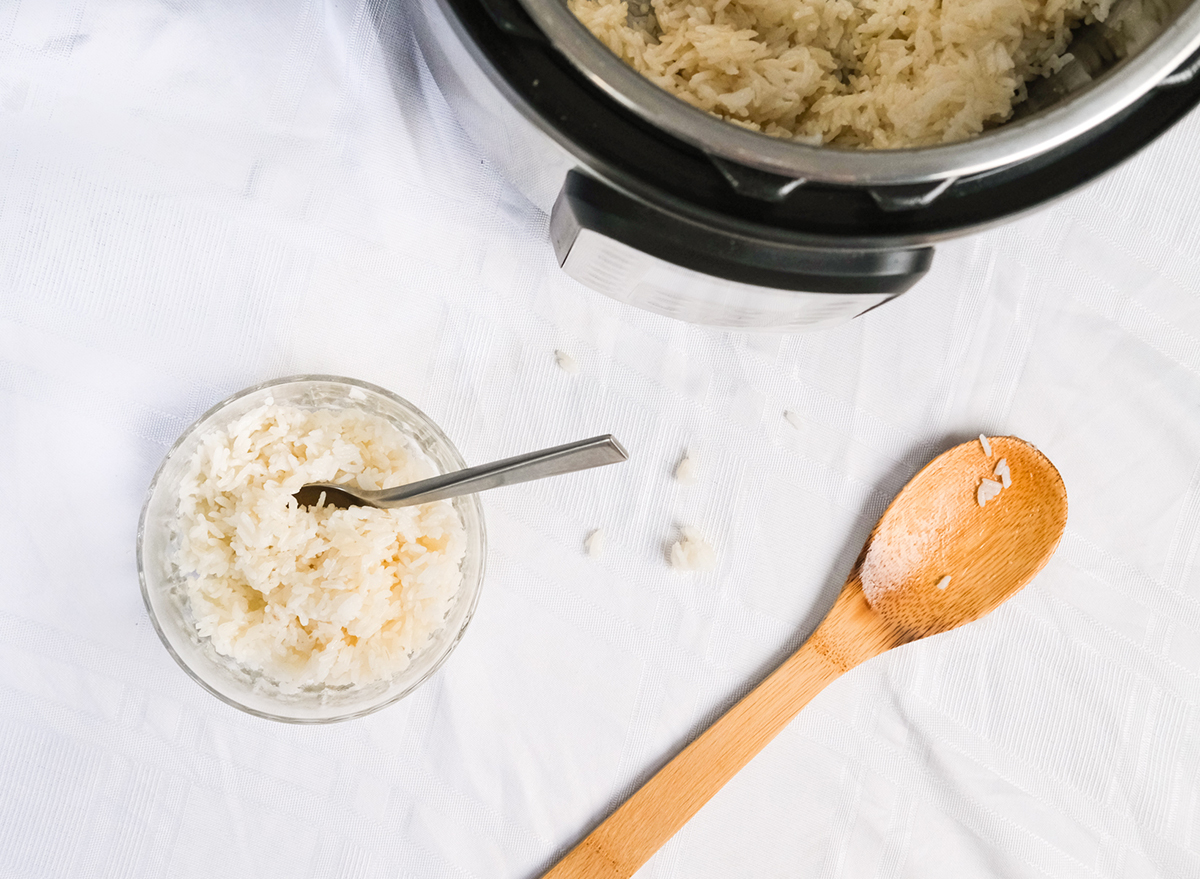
{"x": 988, "y": 489}
{"x": 687, "y": 471}
{"x": 595, "y": 543}
{"x": 566, "y": 362}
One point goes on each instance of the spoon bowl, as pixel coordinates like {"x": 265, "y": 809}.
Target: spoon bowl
{"x": 941, "y": 525}
{"x": 936, "y": 528}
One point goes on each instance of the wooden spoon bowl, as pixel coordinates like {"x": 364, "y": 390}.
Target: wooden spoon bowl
{"x": 896, "y": 593}
{"x": 934, "y": 529}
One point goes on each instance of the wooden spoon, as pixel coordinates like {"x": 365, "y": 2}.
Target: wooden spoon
{"x": 935, "y": 528}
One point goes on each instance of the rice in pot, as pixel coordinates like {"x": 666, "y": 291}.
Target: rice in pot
{"x": 873, "y": 73}
{"x": 314, "y": 596}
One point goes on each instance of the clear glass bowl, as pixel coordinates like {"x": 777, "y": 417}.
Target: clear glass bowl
{"x": 163, "y": 583}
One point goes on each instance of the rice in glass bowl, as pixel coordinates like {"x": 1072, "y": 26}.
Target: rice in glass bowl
{"x": 308, "y": 615}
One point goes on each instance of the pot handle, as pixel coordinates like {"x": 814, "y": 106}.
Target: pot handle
{"x": 1184, "y": 74}
{"x": 692, "y": 269}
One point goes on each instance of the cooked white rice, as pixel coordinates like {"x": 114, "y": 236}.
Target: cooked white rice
{"x": 687, "y": 471}
{"x": 314, "y": 596}
{"x": 566, "y": 362}
{"x": 692, "y": 552}
{"x": 988, "y": 489}
{"x": 871, "y": 73}
{"x": 595, "y": 543}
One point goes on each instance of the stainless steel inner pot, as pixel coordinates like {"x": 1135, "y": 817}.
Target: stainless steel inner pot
{"x": 1141, "y": 44}
{"x": 667, "y": 208}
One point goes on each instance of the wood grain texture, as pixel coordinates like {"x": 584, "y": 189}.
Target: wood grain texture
{"x": 934, "y": 528}
{"x": 851, "y": 633}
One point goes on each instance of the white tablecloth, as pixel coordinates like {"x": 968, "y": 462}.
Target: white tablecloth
{"x": 196, "y": 196}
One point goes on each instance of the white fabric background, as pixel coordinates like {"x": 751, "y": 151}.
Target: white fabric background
{"x": 196, "y": 196}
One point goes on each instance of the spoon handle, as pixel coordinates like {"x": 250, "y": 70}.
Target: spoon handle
{"x": 850, "y": 634}
{"x": 581, "y": 455}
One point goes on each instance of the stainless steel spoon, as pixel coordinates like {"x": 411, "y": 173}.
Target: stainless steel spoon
{"x": 581, "y": 455}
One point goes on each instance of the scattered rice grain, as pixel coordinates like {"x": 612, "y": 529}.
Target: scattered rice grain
{"x": 988, "y": 489}
{"x": 686, "y": 472}
{"x": 987, "y": 446}
{"x": 692, "y": 552}
{"x": 566, "y": 362}
{"x": 1003, "y": 472}
{"x": 595, "y": 543}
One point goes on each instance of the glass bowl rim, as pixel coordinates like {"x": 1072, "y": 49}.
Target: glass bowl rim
{"x": 187, "y": 432}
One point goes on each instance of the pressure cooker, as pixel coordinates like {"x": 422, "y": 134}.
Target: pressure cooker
{"x": 662, "y": 206}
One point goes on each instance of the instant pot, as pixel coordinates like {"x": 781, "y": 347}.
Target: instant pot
{"x": 667, "y": 208}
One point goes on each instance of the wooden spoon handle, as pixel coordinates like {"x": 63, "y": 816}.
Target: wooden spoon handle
{"x": 850, "y": 633}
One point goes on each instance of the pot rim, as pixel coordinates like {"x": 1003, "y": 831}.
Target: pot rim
{"x": 1008, "y": 144}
